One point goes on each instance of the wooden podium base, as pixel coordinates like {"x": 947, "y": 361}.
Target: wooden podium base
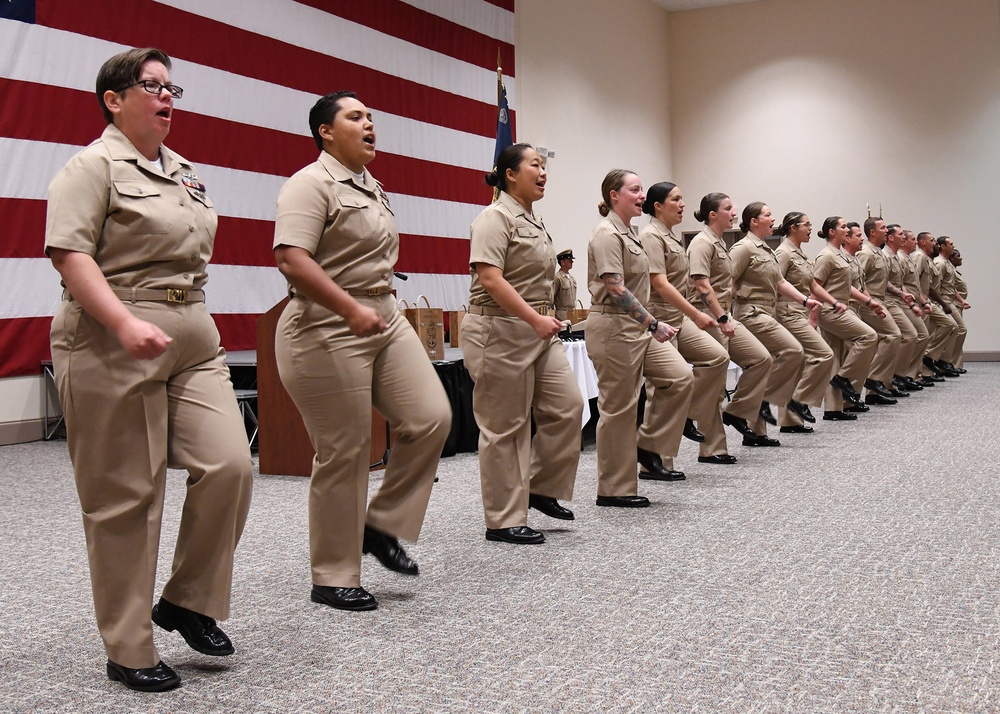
{"x": 283, "y": 444}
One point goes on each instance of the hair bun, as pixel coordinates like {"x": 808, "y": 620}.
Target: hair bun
{"x": 698, "y": 217}
{"x": 492, "y": 179}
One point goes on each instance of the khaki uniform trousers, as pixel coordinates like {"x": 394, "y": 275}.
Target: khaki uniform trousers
{"x": 959, "y": 353}
{"x": 709, "y": 367}
{"x": 622, "y": 353}
{"x": 943, "y": 330}
{"x": 745, "y": 350}
{"x": 883, "y": 365}
{"x": 958, "y": 347}
{"x": 127, "y": 421}
{"x": 516, "y": 376}
{"x": 912, "y": 339}
{"x": 819, "y": 363}
{"x": 335, "y": 378}
{"x": 788, "y": 356}
{"x": 854, "y": 344}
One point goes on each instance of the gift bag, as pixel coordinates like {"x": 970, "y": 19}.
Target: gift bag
{"x": 428, "y": 322}
{"x": 577, "y": 314}
{"x": 455, "y": 318}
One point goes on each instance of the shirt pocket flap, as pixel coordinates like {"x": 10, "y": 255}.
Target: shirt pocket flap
{"x": 349, "y": 200}
{"x": 136, "y": 189}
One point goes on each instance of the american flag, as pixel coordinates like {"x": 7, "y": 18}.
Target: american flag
{"x": 250, "y": 72}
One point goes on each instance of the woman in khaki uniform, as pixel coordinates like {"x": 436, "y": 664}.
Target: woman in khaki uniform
{"x": 518, "y": 365}
{"x": 142, "y": 379}
{"x": 627, "y": 343}
{"x": 342, "y": 347}
{"x": 711, "y": 289}
{"x": 668, "y": 277}
{"x": 800, "y": 320}
{"x": 758, "y": 282}
{"x": 852, "y": 341}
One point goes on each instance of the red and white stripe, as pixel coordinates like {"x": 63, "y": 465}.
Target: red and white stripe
{"x": 250, "y": 73}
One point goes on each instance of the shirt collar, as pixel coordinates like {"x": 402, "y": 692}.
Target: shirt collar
{"x": 340, "y": 174}
{"x": 121, "y": 149}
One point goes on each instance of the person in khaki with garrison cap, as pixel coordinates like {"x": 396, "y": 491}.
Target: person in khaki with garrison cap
{"x": 801, "y": 320}
{"x": 875, "y": 274}
{"x": 564, "y": 285}
{"x": 852, "y": 341}
{"x": 627, "y": 343}
{"x": 518, "y": 365}
{"x": 711, "y": 290}
{"x": 142, "y": 379}
{"x": 757, "y": 284}
{"x": 669, "y": 278}
{"x": 342, "y": 347}
{"x": 902, "y": 307}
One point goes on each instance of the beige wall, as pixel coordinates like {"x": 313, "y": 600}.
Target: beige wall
{"x": 824, "y": 105}
{"x": 591, "y": 85}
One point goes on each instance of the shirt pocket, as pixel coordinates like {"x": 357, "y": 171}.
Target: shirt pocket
{"x": 358, "y": 217}
{"x": 141, "y": 208}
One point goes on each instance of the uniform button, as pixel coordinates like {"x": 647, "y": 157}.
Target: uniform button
{"x": 139, "y": 191}
{"x": 186, "y": 276}
{"x": 384, "y": 255}
{"x": 191, "y": 229}
{"x": 181, "y": 203}
{"x": 194, "y": 257}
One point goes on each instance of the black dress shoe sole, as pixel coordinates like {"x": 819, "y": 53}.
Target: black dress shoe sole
{"x": 721, "y": 460}
{"x": 562, "y": 514}
{"x": 839, "y": 416}
{"x": 351, "y": 606}
{"x": 623, "y": 501}
{"x": 753, "y": 443}
{"x": 117, "y": 673}
{"x": 668, "y": 476}
{"x": 536, "y": 539}
{"x": 169, "y": 624}
{"x": 801, "y": 429}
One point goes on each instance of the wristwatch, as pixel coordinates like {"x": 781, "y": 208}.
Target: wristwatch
{"x": 653, "y": 325}
{"x": 722, "y": 319}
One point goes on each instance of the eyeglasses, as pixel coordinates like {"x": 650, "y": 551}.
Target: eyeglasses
{"x": 806, "y": 224}
{"x": 154, "y": 87}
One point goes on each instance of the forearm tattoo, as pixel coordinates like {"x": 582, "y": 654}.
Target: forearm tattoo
{"x": 627, "y": 302}
{"x": 706, "y": 298}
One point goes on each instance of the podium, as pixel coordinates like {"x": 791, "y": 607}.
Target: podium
{"x": 282, "y": 442}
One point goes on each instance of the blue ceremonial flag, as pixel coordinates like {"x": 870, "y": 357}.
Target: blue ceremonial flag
{"x": 22, "y": 10}
{"x": 505, "y": 136}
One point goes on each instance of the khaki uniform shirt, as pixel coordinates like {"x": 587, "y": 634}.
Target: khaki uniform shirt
{"x": 874, "y": 270}
{"x": 961, "y": 288}
{"x": 707, "y": 256}
{"x": 833, "y": 271}
{"x": 911, "y": 281}
{"x": 666, "y": 257}
{"x": 615, "y": 248}
{"x": 756, "y": 272}
{"x": 797, "y": 269}
{"x": 947, "y": 271}
{"x": 924, "y": 268}
{"x": 145, "y": 228}
{"x": 506, "y": 236}
{"x": 894, "y": 271}
{"x": 564, "y": 290}
{"x": 348, "y": 227}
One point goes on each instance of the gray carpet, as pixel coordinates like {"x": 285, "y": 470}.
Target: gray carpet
{"x": 853, "y": 570}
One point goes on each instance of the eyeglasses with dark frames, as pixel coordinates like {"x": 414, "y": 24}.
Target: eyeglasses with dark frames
{"x": 154, "y": 87}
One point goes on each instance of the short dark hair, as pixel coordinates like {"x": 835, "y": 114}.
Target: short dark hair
{"x": 509, "y": 158}
{"x": 657, "y": 193}
{"x": 852, "y": 225}
{"x": 324, "y": 111}
{"x": 941, "y": 240}
{"x": 894, "y": 228}
{"x": 122, "y": 71}
{"x": 709, "y": 203}
{"x": 870, "y": 223}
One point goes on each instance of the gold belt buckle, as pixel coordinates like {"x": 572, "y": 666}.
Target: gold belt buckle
{"x": 176, "y": 295}
{"x": 374, "y": 292}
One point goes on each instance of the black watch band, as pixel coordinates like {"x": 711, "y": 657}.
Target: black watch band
{"x": 722, "y": 319}
{"x": 653, "y": 325}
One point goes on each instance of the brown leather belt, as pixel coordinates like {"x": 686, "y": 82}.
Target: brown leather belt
{"x": 607, "y": 309}
{"x": 370, "y": 292}
{"x": 500, "y": 312}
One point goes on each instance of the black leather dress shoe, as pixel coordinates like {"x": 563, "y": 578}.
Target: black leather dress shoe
{"x": 877, "y": 398}
{"x": 691, "y": 432}
{"x": 797, "y": 429}
{"x": 878, "y": 388}
{"x": 766, "y": 415}
{"x": 550, "y": 507}
{"x": 738, "y": 423}
{"x": 912, "y": 384}
{"x": 665, "y": 474}
{"x": 859, "y": 408}
{"x": 722, "y": 459}
{"x": 844, "y": 385}
{"x": 519, "y": 535}
{"x": 354, "y": 599}
{"x": 760, "y": 440}
{"x": 623, "y": 501}
{"x": 149, "y": 679}
{"x": 931, "y": 379}
{"x": 899, "y": 393}
{"x": 960, "y": 370}
{"x": 945, "y": 369}
{"x": 654, "y": 469}
{"x": 388, "y": 551}
{"x": 839, "y": 416}
{"x": 200, "y": 632}
{"x": 802, "y": 410}
{"x": 931, "y": 365}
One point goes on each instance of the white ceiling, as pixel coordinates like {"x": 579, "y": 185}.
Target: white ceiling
{"x": 672, "y": 5}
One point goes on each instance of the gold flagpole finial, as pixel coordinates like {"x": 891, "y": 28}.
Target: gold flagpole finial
{"x": 879, "y": 209}
{"x": 869, "y": 207}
